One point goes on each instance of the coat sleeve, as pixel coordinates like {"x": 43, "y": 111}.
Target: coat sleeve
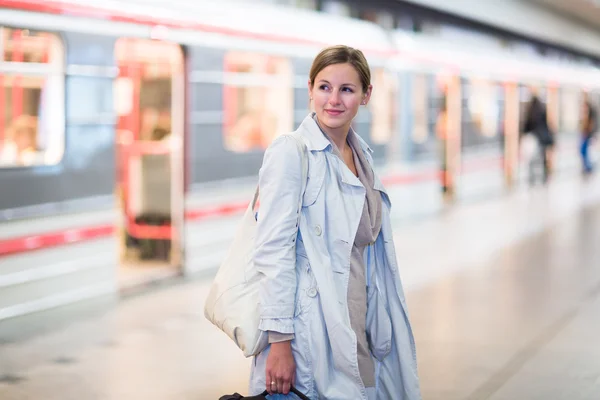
{"x": 280, "y": 186}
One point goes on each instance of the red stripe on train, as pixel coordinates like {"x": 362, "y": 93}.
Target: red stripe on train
{"x": 28, "y": 243}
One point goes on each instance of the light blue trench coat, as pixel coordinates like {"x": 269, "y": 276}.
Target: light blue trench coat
{"x": 306, "y": 272}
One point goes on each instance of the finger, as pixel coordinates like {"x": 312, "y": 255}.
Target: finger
{"x": 268, "y": 385}
{"x": 286, "y": 387}
{"x": 274, "y": 389}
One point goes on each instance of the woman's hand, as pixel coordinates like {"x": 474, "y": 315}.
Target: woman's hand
{"x": 281, "y": 368}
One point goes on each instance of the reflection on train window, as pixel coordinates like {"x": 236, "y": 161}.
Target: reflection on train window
{"x": 383, "y": 106}
{"x": 258, "y": 100}
{"x": 31, "y": 99}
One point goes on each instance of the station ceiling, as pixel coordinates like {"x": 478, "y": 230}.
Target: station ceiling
{"x": 587, "y": 11}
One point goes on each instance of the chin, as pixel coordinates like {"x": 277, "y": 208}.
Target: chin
{"x": 333, "y": 122}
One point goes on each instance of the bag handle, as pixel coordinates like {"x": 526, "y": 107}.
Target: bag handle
{"x": 304, "y": 158}
{"x": 298, "y": 393}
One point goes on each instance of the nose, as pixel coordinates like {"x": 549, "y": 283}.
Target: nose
{"x": 334, "y": 98}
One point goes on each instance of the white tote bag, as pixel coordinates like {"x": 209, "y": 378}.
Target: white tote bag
{"x": 232, "y": 303}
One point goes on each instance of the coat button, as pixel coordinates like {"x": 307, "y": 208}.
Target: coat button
{"x": 318, "y": 230}
{"x": 312, "y": 292}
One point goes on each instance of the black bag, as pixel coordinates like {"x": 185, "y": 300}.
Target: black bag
{"x": 262, "y": 396}
{"x": 545, "y": 136}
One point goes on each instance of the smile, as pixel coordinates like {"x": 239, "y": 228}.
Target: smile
{"x": 334, "y": 112}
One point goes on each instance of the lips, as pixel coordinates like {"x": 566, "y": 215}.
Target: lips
{"x": 334, "y": 112}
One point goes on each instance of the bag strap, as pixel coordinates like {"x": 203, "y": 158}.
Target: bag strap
{"x": 302, "y": 149}
{"x": 298, "y": 393}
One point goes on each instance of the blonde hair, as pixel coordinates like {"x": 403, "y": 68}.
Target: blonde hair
{"x": 342, "y": 55}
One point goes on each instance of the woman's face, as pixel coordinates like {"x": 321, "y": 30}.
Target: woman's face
{"x": 336, "y": 95}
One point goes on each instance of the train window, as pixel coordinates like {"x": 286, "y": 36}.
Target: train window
{"x": 483, "y": 107}
{"x": 383, "y": 106}
{"x": 258, "y": 100}
{"x": 31, "y": 98}
{"x": 144, "y": 90}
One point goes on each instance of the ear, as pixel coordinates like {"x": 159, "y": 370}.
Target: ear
{"x": 310, "y": 90}
{"x": 367, "y": 96}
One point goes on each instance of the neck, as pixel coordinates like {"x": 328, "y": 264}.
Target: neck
{"x": 337, "y": 136}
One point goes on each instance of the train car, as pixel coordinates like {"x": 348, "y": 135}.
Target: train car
{"x": 227, "y": 79}
{"x": 90, "y": 76}
{"x": 464, "y": 105}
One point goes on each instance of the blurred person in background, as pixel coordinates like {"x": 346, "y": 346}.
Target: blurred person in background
{"x": 21, "y": 147}
{"x": 331, "y": 298}
{"x": 536, "y": 124}
{"x": 589, "y": 126}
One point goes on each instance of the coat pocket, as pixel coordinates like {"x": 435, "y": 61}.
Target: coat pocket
{"x": 306, "y": 285}
{"x": 379, "y": 324}
{"x": 342, "y": 250}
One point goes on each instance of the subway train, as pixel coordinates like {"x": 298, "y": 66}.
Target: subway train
{"x": 90, "y": 85}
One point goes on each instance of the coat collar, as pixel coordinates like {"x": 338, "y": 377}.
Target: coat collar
{"x": 318, "y": 142}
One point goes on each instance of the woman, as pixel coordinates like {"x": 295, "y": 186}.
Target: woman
{"x": 331, "y": 299}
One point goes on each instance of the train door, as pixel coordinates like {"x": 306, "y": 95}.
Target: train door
{"x": 553, "y": 113}
{"x": 512, "y": 126}
{"x": 150, "y": 100}
{"x": 449, "y": 132}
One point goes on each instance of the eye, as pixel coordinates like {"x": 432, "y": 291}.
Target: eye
{"x": 323, "y": 87}
{"x": 347, "y": 89}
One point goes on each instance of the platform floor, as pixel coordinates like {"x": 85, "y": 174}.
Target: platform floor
{"x": 504, "y": 297}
